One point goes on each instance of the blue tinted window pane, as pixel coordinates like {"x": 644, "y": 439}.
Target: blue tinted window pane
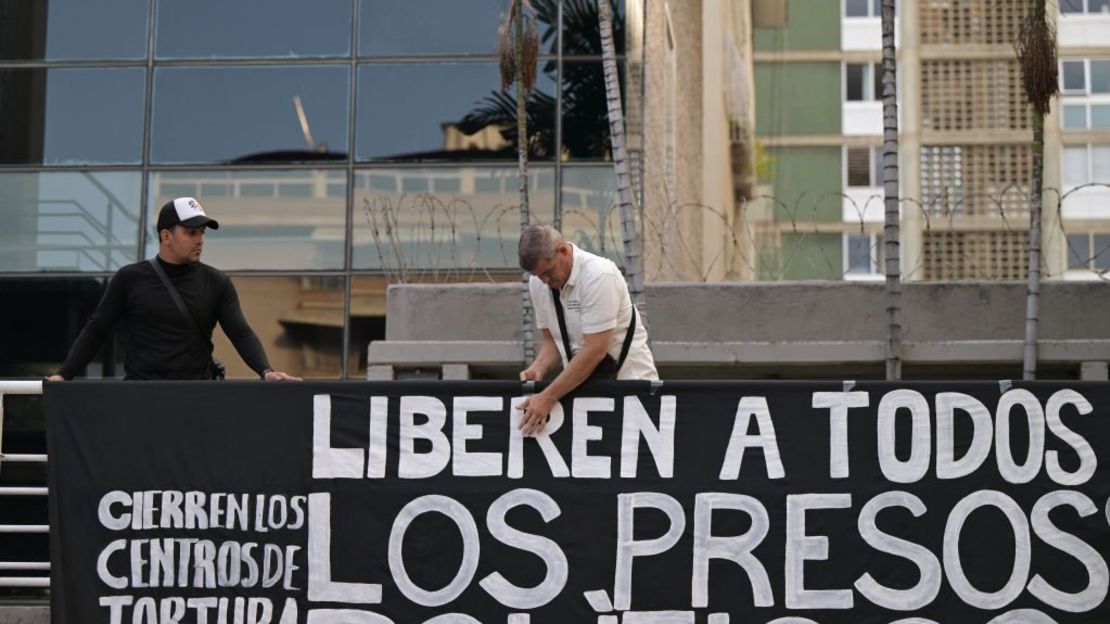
{"x": 1071, "y": 6}
{"x": 69, "y": 221}
{"x": 253, "y": 28}
{"x": 1100, "y": 76}
{"x": 859, "y": 253}
{"x": 1100, "y": 115}
{"x": 591, "y": 218}
{"x": 1101, "y": 248}
{"x": 269, "y": 219}
{"x": 94, "y": 115}
{"x": 71, "y": 116}
{"x": 1075, "y": 116}
{"x": 1075, "y": 76}
{"x": 1078, "y": 251}
{"x": 444, "y": 231}
{"x": 249, "y": 114}
{"x": 856, "y": 8}
{"x": 448, "y": 112}
{"x": 389, "y": 27}
{"x": 1098, "y": 6}
{"x": 59, "y": 29}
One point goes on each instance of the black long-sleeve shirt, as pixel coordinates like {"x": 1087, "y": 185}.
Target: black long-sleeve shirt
{"x": 161, "y": 344}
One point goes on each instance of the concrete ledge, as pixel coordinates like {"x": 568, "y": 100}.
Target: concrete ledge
{"x": 508, "y": 353}
{"x": 760, "y": 353}
{"x": 436, "y": 352}
{"x": 1003, "y": 351}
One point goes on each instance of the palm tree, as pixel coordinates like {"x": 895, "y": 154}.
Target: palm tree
{"x": 584, "y": 114}
{"x": 518, "y": 49}
{"x": 1036, "y": 52}
{"x": 891, "y": 234}
{"x": 633, "y": 260}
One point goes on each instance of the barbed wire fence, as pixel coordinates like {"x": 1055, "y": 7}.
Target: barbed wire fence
{"x": 425, "y": 237}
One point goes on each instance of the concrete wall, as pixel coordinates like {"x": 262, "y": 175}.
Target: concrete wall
{"x": 785, "y": 311}
{"x": 24, "y": 614}
{"x": 803, "y": 330}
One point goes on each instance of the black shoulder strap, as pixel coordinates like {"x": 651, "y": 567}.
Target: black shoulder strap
{"x": 566, "y": 341}
{"x": 176, "y": 298}
{"x": 627, "y": 339}
{"x": 562, "y": 322}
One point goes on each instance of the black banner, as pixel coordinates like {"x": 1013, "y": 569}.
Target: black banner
{"x": 685, "y": 502}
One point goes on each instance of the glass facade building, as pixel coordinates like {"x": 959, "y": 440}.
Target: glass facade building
{"x": 342, "y": 144}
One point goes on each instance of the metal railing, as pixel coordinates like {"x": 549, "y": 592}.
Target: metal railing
{"x": 21, "y": 387}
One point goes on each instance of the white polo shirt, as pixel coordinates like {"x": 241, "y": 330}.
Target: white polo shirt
{"x": 595, "y": 298}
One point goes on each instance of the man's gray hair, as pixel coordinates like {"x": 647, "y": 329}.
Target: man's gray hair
{"x": 537, "y": 242}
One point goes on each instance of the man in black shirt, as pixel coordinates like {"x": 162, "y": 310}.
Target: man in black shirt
{"x": 161, "y": 342}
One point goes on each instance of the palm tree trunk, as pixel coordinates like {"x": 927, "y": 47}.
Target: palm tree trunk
{"x": 529, "y": 326}
{"x": 633, "y": 258}
{"x": 1036, "y": 52}
{"x": 891, "y": 233}
{"x": 1033, "y": 296}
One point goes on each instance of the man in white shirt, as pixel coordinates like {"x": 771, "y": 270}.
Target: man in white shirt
{"x": 603, "y": 332}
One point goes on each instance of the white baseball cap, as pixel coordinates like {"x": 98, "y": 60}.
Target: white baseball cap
{"x": 185, "y": 211}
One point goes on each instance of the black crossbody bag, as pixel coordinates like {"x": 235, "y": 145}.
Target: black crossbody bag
{"x": 216, "y": 369}
{"x": 607, "y": 368}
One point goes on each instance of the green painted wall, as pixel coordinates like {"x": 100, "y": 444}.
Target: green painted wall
{"x": 810, "y": 25}
{"x": 803, "y": 257}
{"x": 807, "y": 183}
{"x": 797, "y": 98}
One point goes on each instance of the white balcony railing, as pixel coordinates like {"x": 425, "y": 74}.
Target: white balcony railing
{"x": 21, "y": 387}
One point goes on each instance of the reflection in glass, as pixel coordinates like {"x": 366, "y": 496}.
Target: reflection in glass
{"x": 269, "y": 219}
{"x": 585, "y": 111}
{"x": 591, "y": 215}
{"x": 581, "y": 33}
{"x": 298, "y": 319}
{"x": 59, "y": 29}
{"x": 446, "y": 111}
{"x": 392, "y": 28}
{"x": 69, "y": 221}
{"x": 253, "y": 28}
{"x": 249, "y": 114}
{"x": 71, "y": 116}
{"x": 38, "y": 332}
{"x": 415, "y": 234}
{"x": 367, "y": 319}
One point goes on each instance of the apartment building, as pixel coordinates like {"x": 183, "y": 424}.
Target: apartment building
{"x": 964, "y": 141}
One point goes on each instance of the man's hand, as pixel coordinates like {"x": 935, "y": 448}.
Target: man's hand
{"x": 55, "y": 378}
{"x": 536, "y": 410}
{"x": 273, "y": 375}
{"x": 533, "y": 373}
